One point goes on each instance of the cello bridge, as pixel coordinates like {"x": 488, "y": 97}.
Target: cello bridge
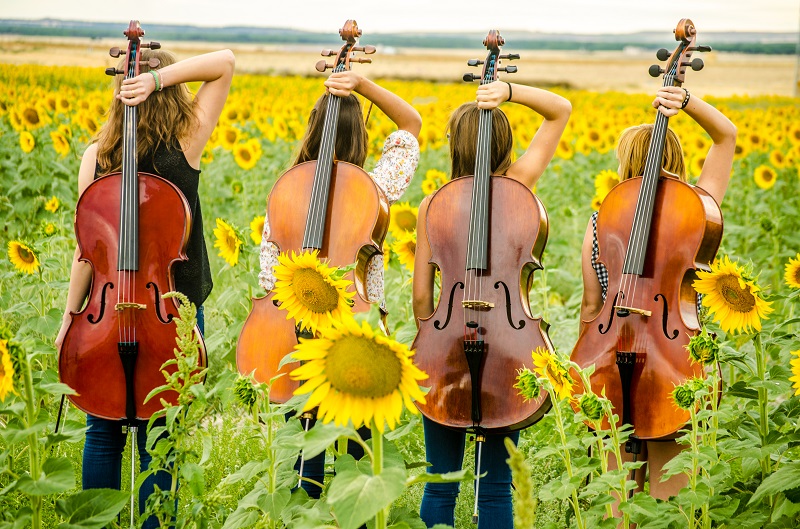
{"x": 477, "y": 304}
{"x": 634, "y": 310}
{"x": 127, "y": 305}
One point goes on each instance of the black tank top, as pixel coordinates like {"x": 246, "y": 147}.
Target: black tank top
{"x": 192, "y": 277}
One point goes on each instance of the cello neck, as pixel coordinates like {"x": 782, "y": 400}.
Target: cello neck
{"x": 128, "y": 251}
{"x": 643, "y": 217}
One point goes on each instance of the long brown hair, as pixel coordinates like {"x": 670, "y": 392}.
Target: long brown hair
{"x": 163, "y": 118}
{"x": 632, "y": 152}
{"x": 463, "y": 129}
{"x": 351, "y": 133}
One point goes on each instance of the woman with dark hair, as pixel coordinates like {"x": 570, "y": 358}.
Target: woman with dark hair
{"x": 444, "y": 447}
{"x": 392, "y": 174}
{"x": 172, "y": 130}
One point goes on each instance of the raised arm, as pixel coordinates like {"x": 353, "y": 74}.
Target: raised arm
{"x": 553, "y": 108}
{"x": 716, "y": 171}
{"x": 403, "y": 114}
{"x": 214, "y": 70}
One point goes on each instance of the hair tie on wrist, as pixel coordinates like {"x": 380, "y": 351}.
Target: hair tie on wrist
{"x": 685, "y": 99}
{"x": 509, "y": 90}
{"x": 157, "y": 80}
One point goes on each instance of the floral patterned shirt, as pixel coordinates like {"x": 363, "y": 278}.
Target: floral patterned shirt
{"x": 392, "y": 174}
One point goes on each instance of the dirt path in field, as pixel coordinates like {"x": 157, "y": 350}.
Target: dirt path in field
{"x": 725, "y": 74}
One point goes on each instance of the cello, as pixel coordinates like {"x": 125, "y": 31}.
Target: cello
{"x": 311, "y": 207}
{"x": 653, "y": 232}
{"x": 482, "y": 329}
{"x": 131, "y": 227}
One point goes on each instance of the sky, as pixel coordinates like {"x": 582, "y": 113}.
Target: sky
{"x": 382, "y": 16}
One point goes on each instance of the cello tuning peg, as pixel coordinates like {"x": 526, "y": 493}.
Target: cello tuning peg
{"x": 697, "y": 64}
{"x": 115, "y": 52}
{"x": 474, "y": 62}
{"x": 152, "y": 45}
{"x": 113, "y": 71}
{"x": 655, "y": 70}
{"x": 508, "y": 69}
{"x": 154, "y": 62}
{"x": 369, "y": 50}
{"x": 469, "y": 77}
{"x": 361, "y": 59}
{"x": 328, "y": 53}
{"x": 321, "y": 65}
{"x": 702, "y": 48}
{"x": 662, "y": 54}
{"x": 510, "y": 56}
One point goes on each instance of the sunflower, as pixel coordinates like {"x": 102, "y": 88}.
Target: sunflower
{"x": 564, "y": 150}
{"x": 257, "y": 228}
{"x": 792, "y": 275}
{"x": 26, "y": 141}
{"x": 6, "y": 371}
{"x": 23, "y": 257}
{"x": 229, "y": 137}
{"x": 403, "y": 219}
{"x": 228, "y": 242}
{"x": 49, "y": 229}
{"x": 795, "y": 363}
{"x": 406, "y": 247}
{"x": 356, "y": 374}
{"x": 60, "y": 143}
{"x": 429, "y": 186}
{"x": 604, "y": 182}
{"x": 777, "y": 159}
{"x": 244, "y": 156}
{"x": 65, "y": 130}
{"x": 30, "y": 118}
{"x": 596, "y": 202}
{"x": 733, "y": 298}
{"x": 310, "y": 293}
{"x": 52, "y": 205}
{"x": 548, "y": 365}
{"x": 764, "y": 176}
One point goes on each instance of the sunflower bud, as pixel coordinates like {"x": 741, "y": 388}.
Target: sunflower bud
{"x": 528, "y": 384}
{"x": 685, "y": 395}
{"x": 703, "y": 348}
{"x": 591, "y": 406}
{"x": 246, "y": 393}
{"x": 767, "y": 224}
{"x": 237, "y": 187}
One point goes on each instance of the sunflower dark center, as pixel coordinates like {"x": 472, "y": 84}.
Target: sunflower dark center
{"x": 314, "y": 292}
{"x": 406, "y": 220}
{"x": 26, "y": 255}
{"x": 363, "y": 368}
{"x": 31, "y": 116}
{"x": 245, "y": 154}
{"x": 737, "y": 298}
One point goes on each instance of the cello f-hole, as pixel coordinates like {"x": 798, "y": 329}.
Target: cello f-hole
{"x": 664, "y": 317}
{"x": 91, "y": 317}
{"x": 508, "y": 306}
{"x": 437, "y": 324}
{"x": 611, "y": 315}
{"x": 157, "y": 300}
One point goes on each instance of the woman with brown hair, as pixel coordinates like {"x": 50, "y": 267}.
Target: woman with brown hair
{"x": 392, "y": 174}
{"x": 444, "y": 447}
{"x": 172, "y": 131}
{"x": 631, "y": 152}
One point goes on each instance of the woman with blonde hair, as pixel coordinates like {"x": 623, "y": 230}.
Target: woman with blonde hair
{"x": 172, "y": 131}
{"x": 632, "y": 153}
{"x": 444, "y": 447}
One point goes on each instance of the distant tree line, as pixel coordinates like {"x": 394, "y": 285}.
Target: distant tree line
{"x": 251, "y": 35}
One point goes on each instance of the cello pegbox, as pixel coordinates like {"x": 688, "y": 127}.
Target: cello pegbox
{"x": 115, "y": 52}
{"x": 152, "y": 45}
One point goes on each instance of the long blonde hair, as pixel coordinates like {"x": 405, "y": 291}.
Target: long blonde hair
{"x": 351, "y": 133}
{"x": 463, "y": 129}
{"x": 163, "y": 118}
{"x": 632, "y": 152}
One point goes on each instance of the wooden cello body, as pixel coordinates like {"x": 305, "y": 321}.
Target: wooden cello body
{"x": 482, "y": 331}
{"x": 331, "y": 206}
{"x": 131, "y": 228}
{"x": 653, "y": 232}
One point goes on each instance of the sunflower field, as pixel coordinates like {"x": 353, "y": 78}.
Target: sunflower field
{"x": 233, "y": 452}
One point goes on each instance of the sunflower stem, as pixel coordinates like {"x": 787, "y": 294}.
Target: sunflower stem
{"x": 33, "y": 442}
{"x": 567, "y": 460}
{"x": 763, "y": 416}
{"x": 377, "y": 468}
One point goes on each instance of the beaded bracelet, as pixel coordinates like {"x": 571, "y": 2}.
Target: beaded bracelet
{"x": 685, "y": 99}
{"x": 157, "y": 79}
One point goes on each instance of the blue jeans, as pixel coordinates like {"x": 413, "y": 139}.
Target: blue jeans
{"x": 444, "y": 450}
{"x": 102, "y": 454}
